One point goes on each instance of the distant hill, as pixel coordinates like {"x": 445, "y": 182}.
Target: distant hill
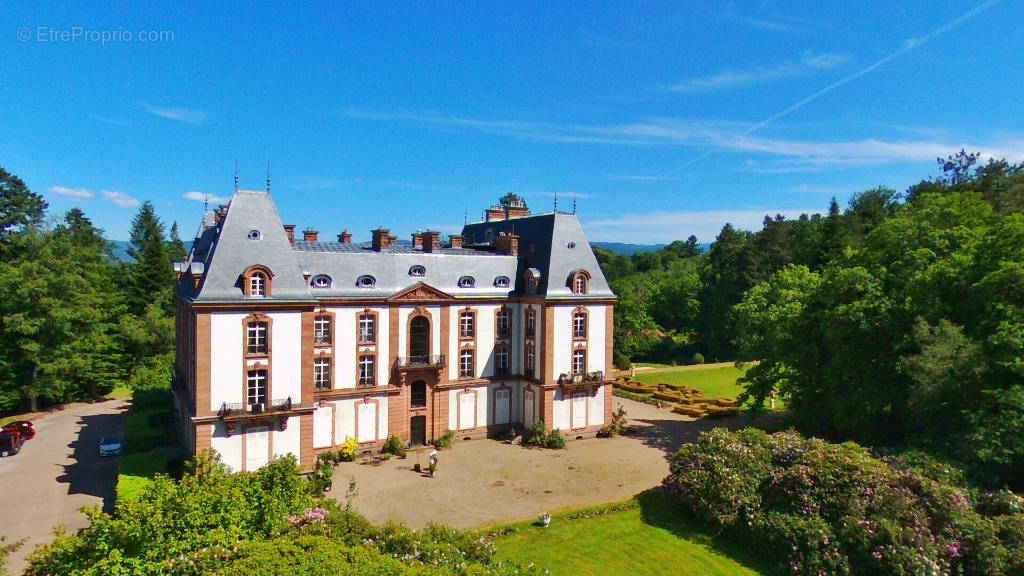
{"x": 121, "y": 249}
{"x": 630, "y": 249}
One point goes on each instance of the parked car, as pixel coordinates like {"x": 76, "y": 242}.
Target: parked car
{"x": 110, "y": 446}
{"x": 21, "y": 427}
{"x": 10, "y": 443}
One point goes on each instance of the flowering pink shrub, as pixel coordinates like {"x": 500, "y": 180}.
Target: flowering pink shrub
{"x": 820, "y": 508}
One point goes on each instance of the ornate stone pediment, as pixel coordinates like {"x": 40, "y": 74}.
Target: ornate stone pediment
{"x": 420, "y": 292}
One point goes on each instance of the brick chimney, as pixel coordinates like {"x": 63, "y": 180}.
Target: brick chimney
{"x": 417, "y": 240}
{"x": 345, "y": 237}
{"x": 455, "y": 240}
{"x": 310, "y": 235}
{"x": 495, "y": 213}
{"x": 289, "y": 229}
{"x": 506, "y": 243}
{"x": 381, "y": 238}
{"x": 431, "y": 240}
{"x": 517, "y": 211}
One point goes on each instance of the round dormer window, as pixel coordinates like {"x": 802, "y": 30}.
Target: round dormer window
{"x": 255, "y": 235}
{"x": 417, "y": 270}
{"x": 321, "y": 281}
{"x": 467, "y": 282}
{"x": 366, "y": 281}
{"x": 571, "y": 246}
{"x": 502, "y": 282}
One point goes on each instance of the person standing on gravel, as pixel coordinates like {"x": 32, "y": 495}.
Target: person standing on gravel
{"x": 433, "y": 461}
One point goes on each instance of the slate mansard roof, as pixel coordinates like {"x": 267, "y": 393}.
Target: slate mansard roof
{"x": 251, "y": 233}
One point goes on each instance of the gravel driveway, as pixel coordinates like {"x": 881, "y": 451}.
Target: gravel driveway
{"x": 483, "y": 482}
{"x": 56, "y": 473}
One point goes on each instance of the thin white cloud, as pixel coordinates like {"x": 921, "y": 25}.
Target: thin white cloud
{"x": 643, "y": 178}
{"x": 667, "y": 226}
{"x": 71, "y": 192}
{"x": 729, "y": 79}
{"x": 192, "y": 116}
{"x": 204, "y": 197}
{"x": 119, "y": 199}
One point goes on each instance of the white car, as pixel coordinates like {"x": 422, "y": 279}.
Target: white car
{"x": 110, "y": 446}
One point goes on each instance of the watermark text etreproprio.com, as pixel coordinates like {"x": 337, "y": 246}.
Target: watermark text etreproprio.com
{"x": 89, "y": 36}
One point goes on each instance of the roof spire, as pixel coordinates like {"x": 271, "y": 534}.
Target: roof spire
{"x": 573, "y": 201}
{"x": 465, "y": 215}
{"x": 268, "y": 176}
{"x": 556, "y": 199}
{"x": 236, "y": 173}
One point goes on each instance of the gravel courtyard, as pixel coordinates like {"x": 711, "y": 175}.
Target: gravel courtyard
{"x": 482, "y": 482}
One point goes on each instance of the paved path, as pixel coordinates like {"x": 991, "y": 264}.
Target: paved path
{"x": 483, "y": 482}
{"x": 56, "y": 473}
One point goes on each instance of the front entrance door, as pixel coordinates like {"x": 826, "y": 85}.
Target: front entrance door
{"x": 257, "y": 447}
{"x": 418, "y": 430}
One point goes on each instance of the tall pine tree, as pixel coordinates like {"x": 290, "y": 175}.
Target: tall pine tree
{"x": 151, "y": 275}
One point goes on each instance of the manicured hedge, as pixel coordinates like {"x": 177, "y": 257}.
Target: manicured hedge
{"x": 688, "y": 411}
{"x": 818, "y": 508}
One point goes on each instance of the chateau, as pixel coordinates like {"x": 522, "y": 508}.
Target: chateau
{"x": 290, "y": 344}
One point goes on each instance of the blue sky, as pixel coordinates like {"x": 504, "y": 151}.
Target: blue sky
{"x": 663, "y": 119}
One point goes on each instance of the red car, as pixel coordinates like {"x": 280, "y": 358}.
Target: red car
{"x": 22, "y": 428}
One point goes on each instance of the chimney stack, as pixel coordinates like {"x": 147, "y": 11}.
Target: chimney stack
{"x": 505, "y": 243}
{"x": 309, "y": 235}
{"x": 345, "y": 237}
{"x": 431, "y": 240}
{"x": 417, "y": 240}
{"x": 381, "y": 238}
{"x": 289, "y": 229}
{"x": 455, "y": 240}
{"x": 495, "y": 213}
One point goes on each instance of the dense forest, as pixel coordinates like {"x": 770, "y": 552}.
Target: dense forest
{"x": 897, "y": 321}
{"x": 77, "y": 322}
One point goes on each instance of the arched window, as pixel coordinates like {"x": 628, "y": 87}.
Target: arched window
{"x": 579, "y": 281}
{"x": 417, "y": 270}
{"x": 467, "y": 282}
{"x": 258, "y": 284}
{"x": 321, "y": 281}
{"x": 419, "y": 339}
{"x": 256, "y": 281}
{"x": 502, "y": 282}
{"x": 366, "y": 281}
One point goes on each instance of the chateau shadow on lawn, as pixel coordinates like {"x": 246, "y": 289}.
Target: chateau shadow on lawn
{"x": 650, "y": 539}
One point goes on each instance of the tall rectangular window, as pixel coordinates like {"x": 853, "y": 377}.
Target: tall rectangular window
{"x": 579, "y": 361}
{"x": 367, "y": 329}
{"x": 322, "y": 329}
{"x": 501, "y": 360}
{"x": 531, "y": 323}
{"x": 501, "y": 324}
{"x": 256, "y": 388}
{"x": 467, "y": 325}
{"x": 531, "y": 359}
{"x": 366, "y": 370}
{"x": 256, "y": 338}
{"x": 257, "y": 284}
{"x": 579, "y": 325}
{"x": 322, "y": 373}
{"x": 467, "y": 369}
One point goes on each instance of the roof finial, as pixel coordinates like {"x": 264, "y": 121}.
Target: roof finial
{"x": 206, "y": 202}
{"x": 556, "y": 198}
{"x": 268, "y": 176}
{"x": 573, "y": 201}
{"x": 236, "y": 173}
{"x": 465, "y": 215}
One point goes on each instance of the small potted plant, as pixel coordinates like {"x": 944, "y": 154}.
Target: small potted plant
{"x": 545, "y": 519}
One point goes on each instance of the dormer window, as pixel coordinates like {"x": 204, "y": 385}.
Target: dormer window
{"x": 417, "y": 270}
{"x": 366, "y": 281}
{"x": 467, "y": 282}
{"x": 321, "y": 281}
{"x": 531, "y": 280}
{"x": 579, "y": 282}
{"x": 502, "y": 282}
{"x": 254, "y": 235}
{"x": 256, "y": 281}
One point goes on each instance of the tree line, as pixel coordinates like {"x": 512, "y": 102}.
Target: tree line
{"x": 76, "y": 322}
{"x": 899, "y": 320}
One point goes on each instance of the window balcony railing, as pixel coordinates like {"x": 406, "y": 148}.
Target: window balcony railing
{"x": 436, "y": 361}
{"x": 581, "y": 377}
{"x": 241, "y": 410}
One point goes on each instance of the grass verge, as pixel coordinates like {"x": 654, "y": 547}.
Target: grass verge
{"x": 648, "y": 538}
{"x": 145, "y": 431}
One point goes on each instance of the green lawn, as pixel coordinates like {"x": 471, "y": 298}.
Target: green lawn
{"x": 715, "y": 381}
{"x": 650, "y": 540}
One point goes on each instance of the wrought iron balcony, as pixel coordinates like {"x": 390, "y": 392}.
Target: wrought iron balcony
{"x": 408, "y": 362}
{"x": 581, "y": 378}
{"x": 235, "y": 410}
